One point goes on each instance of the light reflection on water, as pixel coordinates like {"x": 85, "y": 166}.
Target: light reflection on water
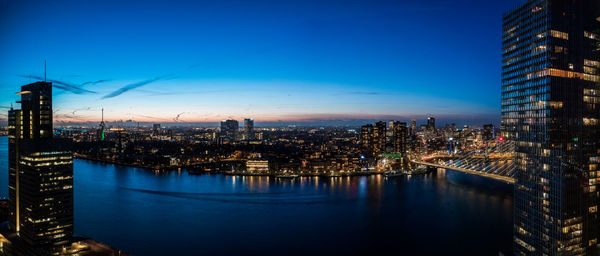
{"x": 174, "y": 213}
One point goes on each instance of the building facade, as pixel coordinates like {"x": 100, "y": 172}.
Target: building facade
{"x": 550, "y": 98}
{"x": 40, "y": 176}
{"x": 229, "y": 130}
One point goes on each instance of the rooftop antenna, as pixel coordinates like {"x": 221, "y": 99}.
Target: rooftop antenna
{"x": 44, "y": 70}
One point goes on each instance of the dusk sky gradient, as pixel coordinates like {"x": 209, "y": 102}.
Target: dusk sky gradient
{"x": 151, "y": 61}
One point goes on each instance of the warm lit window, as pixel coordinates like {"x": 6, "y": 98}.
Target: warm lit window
{"x": 591, "y": 63}
{"x": 591, "y": 35}
{"x": 559, "y": 34}
{"x": 593, "y": 209}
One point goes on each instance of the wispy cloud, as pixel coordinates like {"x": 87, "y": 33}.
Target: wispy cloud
{"x": 61, "y": 85}
{"x": 95, "y": 82}
{"x": 133, "y": 86}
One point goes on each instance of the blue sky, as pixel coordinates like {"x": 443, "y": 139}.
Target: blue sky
{"x": 270, "y": 60}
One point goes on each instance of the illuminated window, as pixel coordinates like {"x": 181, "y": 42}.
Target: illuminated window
{"x": 591, "y": 35}
{"x": 591, "y": 63}
{"x": 593, "y": 209}
{"x": 559, "y": 34}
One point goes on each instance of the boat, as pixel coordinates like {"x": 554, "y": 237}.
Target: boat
{"x": 393, "y": 173}
{"x": 287, "y": 176}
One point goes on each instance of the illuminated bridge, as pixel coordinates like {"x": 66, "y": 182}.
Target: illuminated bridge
{"x": 494, "y": 160}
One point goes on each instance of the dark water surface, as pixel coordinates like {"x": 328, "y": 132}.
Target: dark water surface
{"x": 143, "y": 213}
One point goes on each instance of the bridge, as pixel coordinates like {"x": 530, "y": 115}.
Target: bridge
{"x": 493, "y": 160}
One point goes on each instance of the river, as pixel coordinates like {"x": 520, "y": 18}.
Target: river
{"x": 174, "y": 213}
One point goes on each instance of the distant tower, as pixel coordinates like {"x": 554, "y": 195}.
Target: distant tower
{"x": 249, "y": 128}
{"x": 102, "y": 125}
{"x": 431, "y": 123}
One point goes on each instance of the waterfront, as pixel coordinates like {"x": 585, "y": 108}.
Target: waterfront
{"x": 175, "y": 213}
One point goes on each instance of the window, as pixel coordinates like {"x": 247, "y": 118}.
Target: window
{"x": 591, "y": 35}
{"x": 559, "y": 34}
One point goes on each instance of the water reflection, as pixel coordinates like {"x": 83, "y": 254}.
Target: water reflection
{"x": 177, "y": 213}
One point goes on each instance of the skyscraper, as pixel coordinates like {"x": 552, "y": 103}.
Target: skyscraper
{"x": 40, "y": 175}
{"x": 379, "y": 136}
{"x": 249, "y": 128}
{"x": 431, "y": 123}
{"x": 229, "y": 129}
{"x": 399, "y": 138}
{"x": 550, "y": 103}
{"x": 366, "y": 136}
{"x": 413, "y": 127}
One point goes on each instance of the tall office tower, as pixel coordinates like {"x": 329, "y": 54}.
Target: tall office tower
{"x": 229, "y": 129}
{"x": 487, "y": 132}
{"x": 431, "y": 123}
{"x": 249, "y": 129}
{"x": 413, "y": 127}
{"x": 399, "y": 138}
{"x": 40, "y": 176}
{"x": 550, "y": 108}
{"x": 379, "y": 136}
{"x": 366, "y": 136}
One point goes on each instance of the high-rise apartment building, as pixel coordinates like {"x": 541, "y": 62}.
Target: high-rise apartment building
{"x": 399, "y": 138}
{"x": 550, "y": 108}
{"x": 40, "y": 176}
{"x": 366, "y": 136}
{"x": 379, "y": 136}
{"x": 413, "y": 127}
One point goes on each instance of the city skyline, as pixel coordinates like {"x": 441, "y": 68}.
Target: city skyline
{"x": 321, "y": 62}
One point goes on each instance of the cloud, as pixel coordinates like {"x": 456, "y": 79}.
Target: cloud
{"x": 95, "y": 82}
{"x": 133, "y": 86}
{"x": 61, "y": 85}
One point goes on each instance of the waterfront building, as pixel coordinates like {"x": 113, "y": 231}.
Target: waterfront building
{"x": 249, "y": 129}
{"x": 550, "y": 103}
{"x": 229, "y": 129}
{"x": 40, "y": 176}
{"x": 257, "y": 166}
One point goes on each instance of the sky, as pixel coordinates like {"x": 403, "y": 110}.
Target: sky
{"x": 274, "y": 61}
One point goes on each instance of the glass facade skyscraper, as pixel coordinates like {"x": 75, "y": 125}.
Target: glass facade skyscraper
{"x": 550, "y": 108}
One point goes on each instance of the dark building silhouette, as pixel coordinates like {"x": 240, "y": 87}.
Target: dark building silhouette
{"x": 550, "y": 108}
{"x": 431, "y": 123}
{"x": 40, "y": 176}
{"x": 249, "y": 128}
{"x": 229, "y": 130}
{"x": 488, "y": 132}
